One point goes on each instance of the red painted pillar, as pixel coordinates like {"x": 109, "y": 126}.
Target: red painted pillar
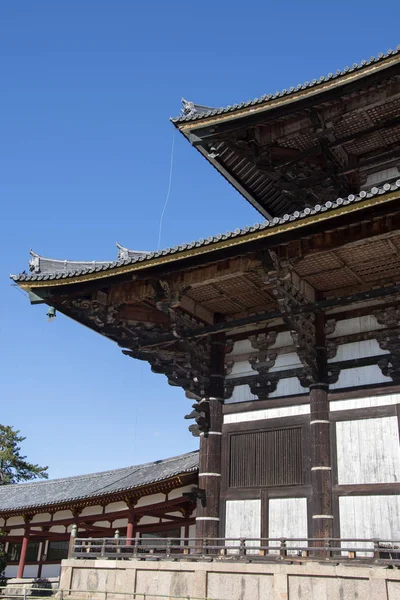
{"x": 22, "y": 558}
{"x": 130, "y": 530}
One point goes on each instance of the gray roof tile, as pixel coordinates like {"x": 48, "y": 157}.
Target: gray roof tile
{"x": 196, "y": 112}
{"x": 134, "y": 257}
{"x": 37, "y": 494}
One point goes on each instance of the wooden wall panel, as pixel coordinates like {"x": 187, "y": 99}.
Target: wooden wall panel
{"x": 266, "y": 458}
{"x": 370, "y": 517}
{"x": 287, "y": 517}
{"x": 368, "y": 451}
{"x": 243, "y": 518}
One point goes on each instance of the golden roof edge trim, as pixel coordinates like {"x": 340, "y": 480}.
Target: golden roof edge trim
{"x": 293, "y": 98}
{"x": 214, "y": 247}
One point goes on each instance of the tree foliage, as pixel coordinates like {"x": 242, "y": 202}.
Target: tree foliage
{"x": 14, "y": 467}
{"x": 3, "y": 558}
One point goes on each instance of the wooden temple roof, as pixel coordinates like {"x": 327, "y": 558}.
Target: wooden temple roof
{"x": 164, "y": 307}
{"x": 41, "y": 494}
{"x": 318, "y": 140}
{"x": 272, "y": 232}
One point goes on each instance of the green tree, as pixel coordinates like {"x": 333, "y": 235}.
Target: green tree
{"x": 3, "y": 558}
{"x": 14, "y": 467}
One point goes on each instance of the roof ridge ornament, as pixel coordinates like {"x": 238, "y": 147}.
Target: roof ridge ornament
{"x": 124, "y": 253}
{"x": 190, "y": 108}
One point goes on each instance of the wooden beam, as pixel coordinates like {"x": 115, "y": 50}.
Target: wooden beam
{"x": 268, "y": 316}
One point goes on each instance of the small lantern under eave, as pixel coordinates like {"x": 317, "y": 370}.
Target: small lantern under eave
{"x": 51, "y": 313}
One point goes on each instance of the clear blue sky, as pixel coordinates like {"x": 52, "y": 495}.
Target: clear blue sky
{"x": 86, "y": 91}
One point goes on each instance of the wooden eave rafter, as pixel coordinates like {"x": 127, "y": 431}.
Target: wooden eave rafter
{"x": 208, "y": 251}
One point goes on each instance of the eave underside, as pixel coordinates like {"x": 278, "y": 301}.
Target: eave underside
{"x": 284, "y": 160}
{"x": 166, "y": 317}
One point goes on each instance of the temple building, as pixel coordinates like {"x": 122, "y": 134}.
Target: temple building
{"x": 140, "y": 501}
{"x": 285, "y": 334}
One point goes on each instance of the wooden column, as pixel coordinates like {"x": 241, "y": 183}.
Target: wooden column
{"x": 321, "y": 466}
{"x": 207, "y": 518}
{"x": 130, "y": 530}
{"x": 24, "y": 548}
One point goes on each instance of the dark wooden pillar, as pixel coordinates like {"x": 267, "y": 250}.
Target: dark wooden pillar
{"x": 207, "y": 517}
{"x": 321, "y": 466}
{"x": 24, "y": 549}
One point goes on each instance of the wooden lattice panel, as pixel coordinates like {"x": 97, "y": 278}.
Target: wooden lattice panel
{"x": 203, "y": 294}
{"x": 332, "y": 280}
{"x": 380, "y": 269}
{"x": 389, "y": 110}
{"x": 233, "y": 287}
{"x": 256, "y": 276}
{"x": 365, "y": 253}
{"x": 391, "y": 136}
{"x": 300, "y": 142}
{"x": 351, "y": 123}
{"x": 365, "y": 144}
{"x": 317, "y": 263}
{"x": 225, "y": 306}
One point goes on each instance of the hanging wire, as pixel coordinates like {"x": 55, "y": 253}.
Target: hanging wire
{"x": 16, "y": 287}
{"x": 169, "y": 190}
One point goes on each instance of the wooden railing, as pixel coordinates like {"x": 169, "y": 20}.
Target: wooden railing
{"x": 247, "y": 549}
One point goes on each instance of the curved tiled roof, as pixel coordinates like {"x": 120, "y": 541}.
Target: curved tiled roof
{"x": 195, "y": 112}
{"x": 57, "y": 491}
{"x": 71, "y": 271}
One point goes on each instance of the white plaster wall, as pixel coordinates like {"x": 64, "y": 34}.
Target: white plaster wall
{"x": 192, "y": 531}
{"x": 287, "y": 517}
{"x": 11, "y": 571}
{"x": 384, "y": 400}
{"x": 268, "y": 413}
{"x": 283, "y": 339}
{"x": 241, "y": 347}
{"x": 91, "y": 510}
{"x": 40, "y": 517}
{"x": 369, "y": 517}
{"x": 286, "y": 361}
{"x": 62, "y": 514}
{"x": 356, "y": 325}
{"x": 152, "y": 499}
{"x": 29, "y": 571}
{"x": 58, "y": 529}
{"x": 114, "y": 506}
{"x": 2, "y": 521}
{"x": 51, "y": 571}
{"x": 241, "y": 393}
{"x": 288, "y": 387}
{"x": 243, "y": 519}
{"x": 149, "y": 520}
{"x": 179, "y": 491}
{"x": 360, "y": 349}
{"x": 368, "y": 451}
{"x": 15, "y": 521}
{"x": 360, "y": 376}
{"x": 239, "y": 369}
{"x": 103, "y": 523}
{"x": 118, "y": 523}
